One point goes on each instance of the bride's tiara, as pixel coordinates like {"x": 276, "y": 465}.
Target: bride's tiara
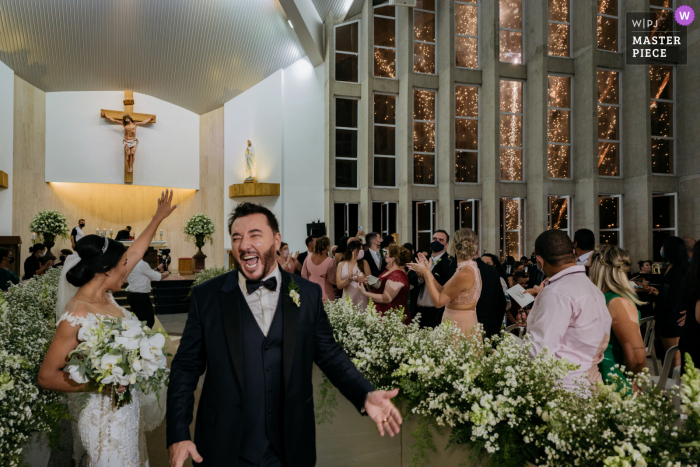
{"x": 104, "y": 248}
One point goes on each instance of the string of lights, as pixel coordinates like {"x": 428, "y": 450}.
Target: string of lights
{"x": 466, "y": 134}
{"x": 423, "y": 137}
{"x": 511, "y": 130}
{"x": 607, "y": 31}
{"x": 559, "y": 27}
{"x": 608, "y": 123}
{"x": 424, "y": 40}
{"x": 661, "y": 107}
{"x": 559, "y": 127}
{"x": 467, "y": 34}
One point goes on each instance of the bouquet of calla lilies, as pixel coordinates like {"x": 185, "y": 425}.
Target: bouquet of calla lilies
{"x": 117, "y": 352}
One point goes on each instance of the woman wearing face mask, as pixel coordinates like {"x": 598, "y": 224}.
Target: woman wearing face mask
{"x": 7, "y": 277}
{"x": 393, "y": 292}
{"x": 352, "y": 272}
{"x": 32, "y": 265}
{"x": 670, "y": 311}
{"x": 287, "y": 260}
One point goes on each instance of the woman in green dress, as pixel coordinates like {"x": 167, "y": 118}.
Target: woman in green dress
{"x": 608, "y": 271}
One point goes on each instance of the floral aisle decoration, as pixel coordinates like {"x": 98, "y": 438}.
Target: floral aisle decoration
{"x": 209, "y": 273}
{"x": 27, "y": 326}
{"x": 48, "y": 225}
{"x": 498, "y": 401}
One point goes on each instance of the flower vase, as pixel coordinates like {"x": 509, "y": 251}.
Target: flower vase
{"x": 49, "y": 242}
{"x": 199, "y": 257}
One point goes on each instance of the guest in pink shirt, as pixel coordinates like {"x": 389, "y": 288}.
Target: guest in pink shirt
{"x": 320, "y": 268}
{"x": 569, "y": 316}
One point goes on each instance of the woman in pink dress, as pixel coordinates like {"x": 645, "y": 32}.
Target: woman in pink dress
{"x": 460, "y": 294}
{"x": 393, "y": 292}
{"x": 286, "y": 260}
{"x": 352, "y": 273}
{"x": 320, "y": 268}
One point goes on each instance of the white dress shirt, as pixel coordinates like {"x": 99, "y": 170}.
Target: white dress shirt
{"x": 140, "y": 278}
{"x": 583, "y": 259}
{"x": 424, "y": 299}
{"x": 262, "y": 302}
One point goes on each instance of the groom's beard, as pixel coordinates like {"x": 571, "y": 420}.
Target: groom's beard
{"x": 269, "y": 263}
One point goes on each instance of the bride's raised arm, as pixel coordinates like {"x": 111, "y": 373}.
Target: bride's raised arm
{"x": 140, "y": 245}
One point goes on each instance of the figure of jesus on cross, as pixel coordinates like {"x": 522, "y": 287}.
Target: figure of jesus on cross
{"x": 130, "y": 141}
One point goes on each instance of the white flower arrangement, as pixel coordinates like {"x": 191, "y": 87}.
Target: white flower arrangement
{"x": 293, "y": 291}
{"x": 200, "y": 225}
{"x": 51, "y": 223}
{"x": 27, "y": 326}
{"x": 116, "y": 351}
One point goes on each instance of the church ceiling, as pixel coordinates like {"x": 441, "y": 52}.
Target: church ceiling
{"x": 197, "y": 54}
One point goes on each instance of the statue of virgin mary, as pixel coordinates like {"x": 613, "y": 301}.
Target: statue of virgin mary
{"x": 250, "y": 162}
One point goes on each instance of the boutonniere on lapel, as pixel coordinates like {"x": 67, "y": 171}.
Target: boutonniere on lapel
{"x": 437, "y": 261}
{"x": 293, "y": 291}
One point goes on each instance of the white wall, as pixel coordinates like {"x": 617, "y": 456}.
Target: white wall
{"x": 83, "y": 147}
{"x": 7, "y": 100}
{"x": 283, "y": 117}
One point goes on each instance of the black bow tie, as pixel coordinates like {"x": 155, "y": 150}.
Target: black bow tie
{"x": 270, "y": 284}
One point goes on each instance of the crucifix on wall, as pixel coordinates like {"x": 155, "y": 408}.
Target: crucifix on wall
{"x": 130, "y": 121}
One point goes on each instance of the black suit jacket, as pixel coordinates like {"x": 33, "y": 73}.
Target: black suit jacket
{"x": 123, "y": 235}
{"x": 212, "y": 342}
{"x": 376, "y": 272}
{"x": 443, "y": 272}
{"x": 491, "y": 307}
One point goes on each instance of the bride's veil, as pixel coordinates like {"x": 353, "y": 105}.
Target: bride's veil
{"x": 66, "y": 290}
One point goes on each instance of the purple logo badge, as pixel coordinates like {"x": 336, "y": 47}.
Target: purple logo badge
{"x": 684, "y": 15}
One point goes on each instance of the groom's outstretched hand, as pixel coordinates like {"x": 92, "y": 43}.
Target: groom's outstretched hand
{"x": 179, "y": 452}
{"x": 380, "y": 409}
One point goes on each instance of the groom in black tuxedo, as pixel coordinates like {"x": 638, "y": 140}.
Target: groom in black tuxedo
{"x": 258, "y": 346}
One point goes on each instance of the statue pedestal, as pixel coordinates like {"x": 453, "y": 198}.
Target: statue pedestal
{"x": 251, "y": 189}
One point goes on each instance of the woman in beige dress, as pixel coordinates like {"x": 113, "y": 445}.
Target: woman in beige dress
{"x": 351, "y": 273}
{"x": 460, "y": 294}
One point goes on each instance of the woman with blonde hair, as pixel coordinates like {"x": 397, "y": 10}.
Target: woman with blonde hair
{"x": 320, "y": 268}
{"x": 352, "y": 272}
{"x": 608, "y": 271}
{"x": 460, "y": 294}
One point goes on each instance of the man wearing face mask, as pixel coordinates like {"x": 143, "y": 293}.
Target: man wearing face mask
{"x": 7, "y": 277}
{"x": 443, "y": 267}
{"x": 374, "y": 257}
{"x": 62, "y": 257}
{"x": 77, "y": 233}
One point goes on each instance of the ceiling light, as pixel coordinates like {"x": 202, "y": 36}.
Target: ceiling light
{"x": 290, "y": 24}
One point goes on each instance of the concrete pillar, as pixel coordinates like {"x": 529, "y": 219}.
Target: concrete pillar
{"x": 365, "y": 172}
{"x": 404, "y": 122}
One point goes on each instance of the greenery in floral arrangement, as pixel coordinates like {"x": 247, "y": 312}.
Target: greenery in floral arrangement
{"x": 501, "y": 404}
{"x": 200, "y": 225}
{"x": 51, "y": 223}
{"x": 27, "y": 326}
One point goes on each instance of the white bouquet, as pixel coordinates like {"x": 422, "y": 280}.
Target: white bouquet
{"x": 117, "y": 352}
{"x": 52, "y": 223}
{"x": 200, "y": 225}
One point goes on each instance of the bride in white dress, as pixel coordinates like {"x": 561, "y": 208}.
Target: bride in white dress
{"x": 106, "y": 437}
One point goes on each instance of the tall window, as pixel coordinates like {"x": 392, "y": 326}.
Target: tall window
{"x": 559, "y": 28}
{"x": 467, "y": 214}
{"x": 610, "y": 218}
{"x": 511, "y": 31}
{"x": 609, "y": 123}
{"x": 384, "y": 218}
{"x": 511, "y": 130}
{"x": 346, "y": 143}
{"x": 424, "y": 137}
{"x": 662, "y": 15}
{"x": 424, "y": 36}
{"x": 466, "y": 134}
{"x": 385, "y": 42}
{"x": 513, "y": 227}
{"x": 467, "y": 33}
{"x": 346, "y": 220}
{"x": 558, "y": 209}
{"x": 664, "y": 220}
{"x": 608, "y": 29}
{"x": 662, "y": 97}
{"x": 559, "y": 104}
{"x": 425, "y": 223}
{"x": 347, "y": 52}
{"x": 384, "y": 140}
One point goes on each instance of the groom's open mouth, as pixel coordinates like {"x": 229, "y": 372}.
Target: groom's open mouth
{"x": 250, "y": 261}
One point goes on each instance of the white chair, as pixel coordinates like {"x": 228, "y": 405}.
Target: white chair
{"x": 662, "y": 381}
{"x": 521, "y": 331}
{"x": 649, "y": 335}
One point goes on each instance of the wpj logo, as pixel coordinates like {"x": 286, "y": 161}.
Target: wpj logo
{"x": 656, "y": 37}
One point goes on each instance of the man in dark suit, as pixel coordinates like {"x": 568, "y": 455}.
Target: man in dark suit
{"x": 256, "y": 332}
{"x": 124, "y": 234}
{"x": 491, "y": 307}
{"x": 443, "y": 267}
{"x": 374, "y": 256}
{"x": 310, "y": 244}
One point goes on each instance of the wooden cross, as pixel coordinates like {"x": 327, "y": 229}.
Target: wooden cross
{"x": 136, "y": 117}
